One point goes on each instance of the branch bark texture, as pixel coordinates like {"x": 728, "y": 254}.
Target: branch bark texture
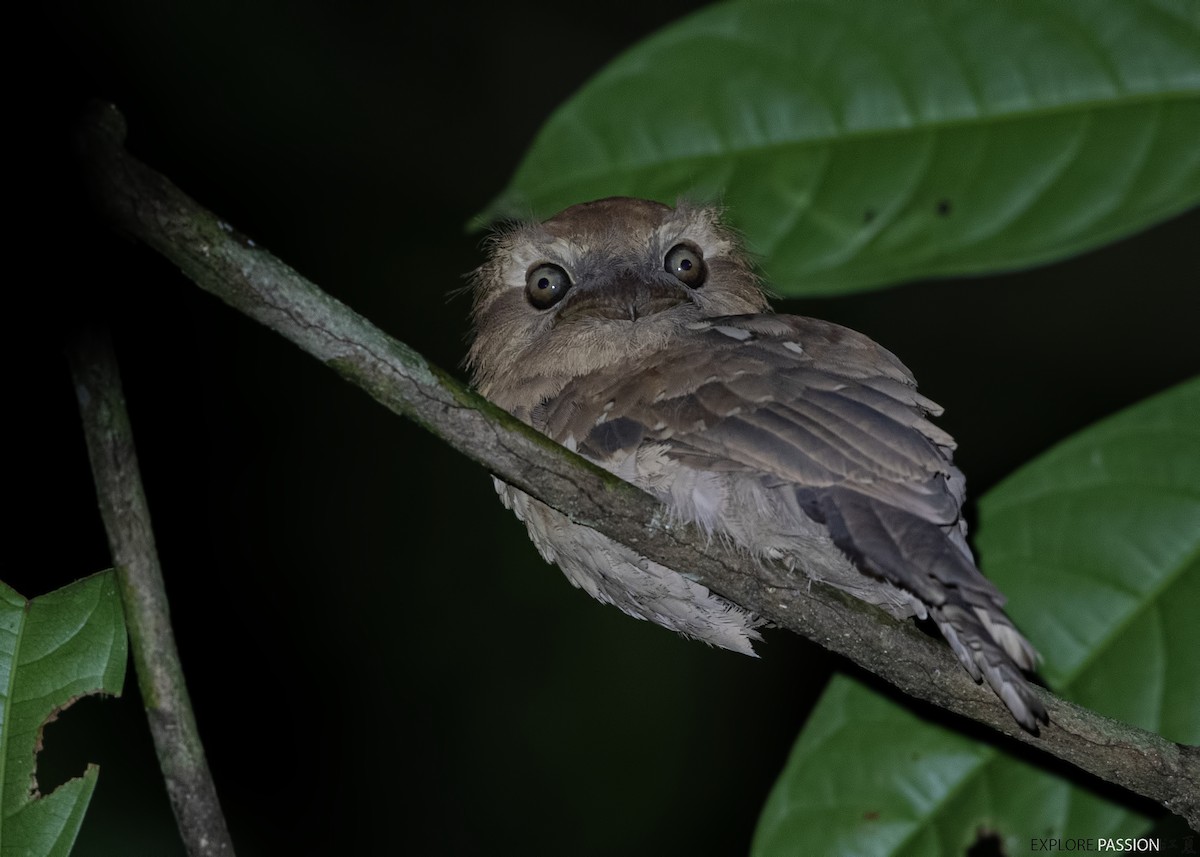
{"x": 131, "y": 540}
{"x": 145, "y": 204}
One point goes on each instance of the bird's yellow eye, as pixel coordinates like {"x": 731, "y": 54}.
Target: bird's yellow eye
{"x": 545, "y": 285}
{"x": 686, "y": 263}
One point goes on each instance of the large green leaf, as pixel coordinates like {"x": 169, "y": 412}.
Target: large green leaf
{"x": 53, "y": 650}
{"x": 858, "y": 143}
{"x": 1097, "y": 544}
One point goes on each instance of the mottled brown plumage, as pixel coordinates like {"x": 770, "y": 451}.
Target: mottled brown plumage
{"x": 638, "y": 335}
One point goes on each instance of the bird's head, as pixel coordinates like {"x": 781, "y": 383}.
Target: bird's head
{"x": 600, "y": 282}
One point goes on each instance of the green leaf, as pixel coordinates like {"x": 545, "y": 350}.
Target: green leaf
{"x": 53, "y": 650}
{"x": 1097, "y": 545}
{"x": 858, "y": 143}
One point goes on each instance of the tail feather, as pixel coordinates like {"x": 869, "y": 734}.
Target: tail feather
{"x": 931, "y": 560}
{"x": 993, "y": 656}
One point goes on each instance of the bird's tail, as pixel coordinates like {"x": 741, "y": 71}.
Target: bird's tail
{"x": 994, "y": 651}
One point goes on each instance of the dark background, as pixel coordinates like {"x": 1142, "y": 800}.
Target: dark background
{"x": 380, "y": 662}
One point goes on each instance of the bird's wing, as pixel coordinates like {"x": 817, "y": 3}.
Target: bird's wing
{"x": 807, "y": 401}
{"x": 795, "y": 401}
{"x": 813, "y": 407}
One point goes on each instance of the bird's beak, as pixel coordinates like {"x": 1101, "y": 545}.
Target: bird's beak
{"x": 623, "y": 298}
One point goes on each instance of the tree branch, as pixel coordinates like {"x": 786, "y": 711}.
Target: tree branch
{"x": 131, "y": 540}
{"x": 145, "y": 204}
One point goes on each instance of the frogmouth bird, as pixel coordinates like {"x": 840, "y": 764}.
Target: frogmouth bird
{"x": 639, "y": 336}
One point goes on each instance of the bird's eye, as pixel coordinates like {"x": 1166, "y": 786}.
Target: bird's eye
{"x": 686, "y": 263}
{"x": 545, "y": 286}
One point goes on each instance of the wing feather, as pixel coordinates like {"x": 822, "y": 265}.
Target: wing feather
{"x": 809, "y": 407}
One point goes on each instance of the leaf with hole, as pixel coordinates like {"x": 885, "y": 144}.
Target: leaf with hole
{"x": 53, "y": 650}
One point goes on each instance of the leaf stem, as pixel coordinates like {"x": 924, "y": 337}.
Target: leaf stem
{"x": 131, "y": 541}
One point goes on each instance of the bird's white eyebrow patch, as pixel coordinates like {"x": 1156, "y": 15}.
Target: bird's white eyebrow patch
{"x": 698, "y": 225}
{"x": 794, "y": 346}
{"x": 738, "y": 333}
{"x": 531, "y": 250}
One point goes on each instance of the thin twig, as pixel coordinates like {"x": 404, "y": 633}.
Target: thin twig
{"x": 131, "y": 541}
{"x": 146, "y": 205}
